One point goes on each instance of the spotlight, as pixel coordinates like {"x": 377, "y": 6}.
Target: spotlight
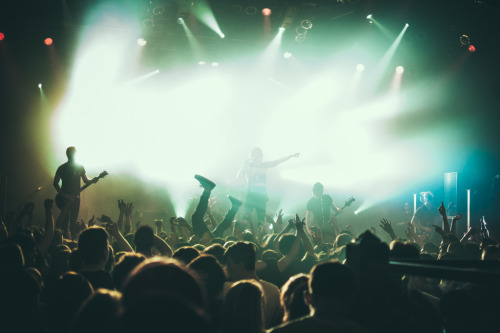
{"x": 407, "y": 25}
{"x": 215, "y": 64}
{"x": 251, "y": 10}
{"x": 360, "y": 67}
{"x": 369, "y": 16}
{"x": 40, "y": 85}
{"x": 282, "y": 29}
{"x": 306, "y": 24}
{"x": 287, "y": 55}
{"x": 464, "y": 40}
{"x": 300, "y": 38}
{"x": 400, "y": 69}
{"x": 472, "y": 48}
{"x": 201, "y": 62}
{"x": 2, "y": 36}
{"x": 356, "y": 212}
{"x": 222, "y": 35}
{"x": 141, "y": 42}
{"x": 266, "y": 12}
{"x": 180, "y": 20}
{"x": 48, "y": 41}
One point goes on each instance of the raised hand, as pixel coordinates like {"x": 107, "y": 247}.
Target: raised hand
{"x": 105, "y": 219}
{"x": 386, "y": 225}
{"x": 129, "y": 208}
{"x": 91, "y": 222}
{"x": 49, "y": 205}
{"x": 442, "y": 209}
{"x": 122, "y": 206}
{"x": 279, "y": 216}
{"x": 456, "y": 218}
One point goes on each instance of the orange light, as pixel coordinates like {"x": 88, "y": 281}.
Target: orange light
{"x": 48, "y": 41}
{"x": 266, "y": 12}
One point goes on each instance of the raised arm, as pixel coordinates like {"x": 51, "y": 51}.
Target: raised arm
{"x": 306, "y": 242}
{"x": 446, "y": 225}
{"x": 122, "y": 242}
{"x": 274, "y": 163}
{"x": 291, "y": 256}
{"x": 121, "y": 206}
{"x": 48, "y": 234}
{"x": 162, "y": 247}
{"x": 386, "y": 225}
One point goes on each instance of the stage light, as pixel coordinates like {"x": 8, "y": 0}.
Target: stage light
{"x": 266, "y": 12}
{"x": 356, "y": 212}
{"x": 360, "y": 67}
{"x": 215, "y": 64}
{"x": 48, "y": 41}
{"x": 464, "y": 40}
{"x": 202, "y": 62}
{"x": 180, "y": 20}
{"x": 400, "y": 69}
{"x": 40, "y": 85}
{"x": 472, "y": 48}
{"x": 222, "y": 35}
{"x": 369, "y": 16}
{"x": 306, "y": 24}
{"x": 2, "y": 36}
{"x": 407, "y": 25}
{"x": 287, "y": 55}
{"x": 251, "y": 10}
{"x": 141, "y": 42}
{"x": 282, "y": 29}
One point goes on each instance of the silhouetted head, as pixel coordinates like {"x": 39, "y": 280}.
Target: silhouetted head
{"x": 318, "y": 189}
{"x": 127, "y": 263}
{"x": 98, "y": 313}
{"x": 256, "y": 155}
{"x": 158, "y": 275}
{"x": 332, "y": 286}
{"x": 144, "y": 239}
{"x": 243, "y": 308}
{"x": 186, "y": 254}
{"x": 211, "y": 274}
{"x": 240, "y": 257}
{"x": 93, "y": 246}
{"x": 292, "y": 297}
{"x": 70, "y": 153}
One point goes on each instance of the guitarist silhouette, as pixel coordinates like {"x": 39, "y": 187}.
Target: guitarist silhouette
{"x": 68, "y": 197}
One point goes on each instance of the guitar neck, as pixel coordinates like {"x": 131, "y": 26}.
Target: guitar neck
{"x": 85, "y": 186}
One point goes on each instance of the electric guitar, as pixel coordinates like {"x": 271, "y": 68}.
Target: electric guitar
{"x": 61, "y": 201}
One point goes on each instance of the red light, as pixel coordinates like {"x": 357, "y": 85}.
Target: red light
{"x": 2, "y": 36}
{"x": 472, "y": 48}
{"x": 266, "y": 12}
{"x": 48, "y": 41}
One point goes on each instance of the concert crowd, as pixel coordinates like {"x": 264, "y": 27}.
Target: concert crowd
{"x": 222, "y": 271}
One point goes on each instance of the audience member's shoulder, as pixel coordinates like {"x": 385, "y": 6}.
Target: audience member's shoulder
{"x": 304, "y": 324}
{"x": 269, "y": 287}
{"x": 310, "y": 324}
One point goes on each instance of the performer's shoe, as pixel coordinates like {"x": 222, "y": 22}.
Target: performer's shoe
{"x": 207, "y": 184}
{"x": 235, "y": 203}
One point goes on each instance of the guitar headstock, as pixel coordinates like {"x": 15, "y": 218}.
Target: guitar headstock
{"x": 349, "y": 201}
{"x": 101, "y": 175}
